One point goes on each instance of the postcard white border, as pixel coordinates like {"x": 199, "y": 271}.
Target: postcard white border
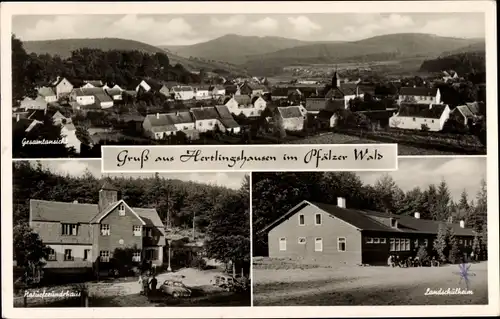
{"x": 45, "y": 8}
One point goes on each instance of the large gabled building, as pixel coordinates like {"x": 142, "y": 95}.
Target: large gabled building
{"x": 335, "y": 233}
{"x": 83, "y": 237}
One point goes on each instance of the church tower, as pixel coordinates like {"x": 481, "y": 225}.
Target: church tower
{"x": 335, "y": 79}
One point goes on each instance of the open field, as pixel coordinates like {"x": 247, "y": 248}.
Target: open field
{"x": 125, "y": 293}
{"x": 337, "y": 138}
{"x": 279, "y": 283}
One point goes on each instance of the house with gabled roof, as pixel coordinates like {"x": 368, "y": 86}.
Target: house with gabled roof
{"x": 430, "y": 117}
{"x": 92, "y": 84}
{"x": 84, "y": 236}
{"x": 227, "y": 120}
{"x": 466, "y": 114}
{"x": 202, "y": 91}
{"x": 92, "y": 96}
{"x": 420, "y": 95}
{"x": 47, "y": 93}
{"x": 39, "y": 103}
{"x": 336, "y": 233}
{"x": 148, "y": 86}
{"x": 62, "y": 87}
{"x": 291, "y": 118}
{"x": 158, "y": 126}
{"x": 206, "y": 118}
{"x": 217, "y": 90}
{"x": 183, "y": 92}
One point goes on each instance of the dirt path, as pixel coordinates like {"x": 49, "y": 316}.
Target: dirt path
{"x": 370, "y": 285}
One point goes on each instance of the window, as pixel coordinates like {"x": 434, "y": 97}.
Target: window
{"x": 416, "y": 242}
{"x": 151, "y": 254}
{"x": 382, "y": 240}
{"x": 318, "y": 219}
{"x": 392, "y": 242}
{"x": 104, "y": 255}
{"x": 341, "y": 244}
{"x": 136, "y": 257}
{"x": 67, "y": 255}
{"x": 147, "y": 232}
{"x": 86, "y": 254}
{"x": 394, "y": 223}
{"x": 398, "y": 247}
{"x": 70, "y": 229}
{"x": 282, "y": 244}
{"x": 51, "y": 254}
{"x": 461, "y": 241}
{"x": 302, "y": 240}
{"x": 137, "y": 231}
{"x": 121, "y": 209}
{"x": 376, "y": 240}
{"x": 426, "y": 242}
{"x": 407, "y": 244}
{"x": 369, "y": 240}
{"x": 200, "y": 124}
{"x": 210, "y": 123}
{"x": 432, "y": 121}
{"x": 413, "y": 119}
{"x": 302, "y": 221}
{"x": 105, "y": 230}
{"x": 318, "y": 244}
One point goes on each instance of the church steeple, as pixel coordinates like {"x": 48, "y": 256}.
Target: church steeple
{"x": 335, "y": 80}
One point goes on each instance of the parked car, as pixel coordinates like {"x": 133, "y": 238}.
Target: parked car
{"x": 175, "y": 288}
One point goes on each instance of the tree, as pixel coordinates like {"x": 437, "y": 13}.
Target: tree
{"x": 443, "y": 199}
{"x": 23, "y": 75}
{"x": 454, "y": 256}
{"x": 422, "y": 253}
{"x": 29, "y": 252}
{"x": 476, "y": 245}
{"x": 228, "y": 229}
{"x": 441, "y": 242}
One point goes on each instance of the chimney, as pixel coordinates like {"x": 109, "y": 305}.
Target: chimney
{"x": 158, "y": 115}
{"x": 107, "y": 195}
{"x": 341, "y": 202}
{"x": 462, "y": 224}
{"x": 417, "y": 215}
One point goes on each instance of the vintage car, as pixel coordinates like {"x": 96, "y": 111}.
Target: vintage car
{"x": 175, "y": 288}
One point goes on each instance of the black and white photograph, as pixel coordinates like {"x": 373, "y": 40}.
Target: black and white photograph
{"x": 416, "y": 236}
{"x": 85, "y": 239}
{"x": 83, "y": 81}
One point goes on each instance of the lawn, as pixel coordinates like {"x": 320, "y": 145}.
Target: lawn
{"x": 277, "y": 283}
{"x": 337, "y": 138}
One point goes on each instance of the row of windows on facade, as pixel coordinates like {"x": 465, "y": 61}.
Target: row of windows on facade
{"x": 104, "y": 255}
{"x": 302, "y": 219}
{"x": 72, "y": 230}
{"x": 425, "y": 120}
{"x": 421, "y": 97}
{"x": 318, "y": 243}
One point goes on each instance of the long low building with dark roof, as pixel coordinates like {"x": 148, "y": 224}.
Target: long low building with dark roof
{"x": 414, "y": 116}
{"x": 321, "y": 231}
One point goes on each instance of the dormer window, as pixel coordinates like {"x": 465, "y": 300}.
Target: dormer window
{"x": 121, "y": 210}
{"x": 394, "y": 223}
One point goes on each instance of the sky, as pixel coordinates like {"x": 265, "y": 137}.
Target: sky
{"x": 79, "y": 167}
{"x": 459, "y": 173}
{"x": 194, "y": 28}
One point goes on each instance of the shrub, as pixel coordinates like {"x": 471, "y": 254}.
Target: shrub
{"x": 198, "y": 262}
{"x": 422, "y": 253}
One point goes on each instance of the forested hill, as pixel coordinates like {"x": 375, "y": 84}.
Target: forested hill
{"x": 181, "y": 198}
{"x": 273, "y": 194}
{"x": 64, "y": 48}
{"x": 462, "y": 63}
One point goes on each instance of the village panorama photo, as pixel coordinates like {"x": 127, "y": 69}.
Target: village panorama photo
{"x": 415, "y": 236}
{"x": 84, "y": 81}
{"x": 85, "y": 239}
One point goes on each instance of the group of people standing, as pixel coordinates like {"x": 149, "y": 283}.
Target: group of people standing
{"x": 147, "y": 283}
